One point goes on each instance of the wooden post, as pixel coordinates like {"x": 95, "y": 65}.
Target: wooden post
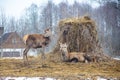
{"x": 1, "y": 33}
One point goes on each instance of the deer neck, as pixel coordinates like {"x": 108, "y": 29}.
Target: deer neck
{"x": 67, "y": 54}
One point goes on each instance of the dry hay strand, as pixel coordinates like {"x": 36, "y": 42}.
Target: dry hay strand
{"x": 53, "y": 57}
{"x": 81, "y": 36}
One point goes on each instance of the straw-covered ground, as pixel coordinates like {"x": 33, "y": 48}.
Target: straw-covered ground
{"x": 61, "y": 70}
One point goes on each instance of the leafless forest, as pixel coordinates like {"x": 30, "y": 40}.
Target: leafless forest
{"x": 36, "y": 18}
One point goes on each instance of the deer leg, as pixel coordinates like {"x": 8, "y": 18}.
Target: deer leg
{"x": 25, "y": 54}
{"x": 63, "y": 57}
{"x": 43, "y": 57}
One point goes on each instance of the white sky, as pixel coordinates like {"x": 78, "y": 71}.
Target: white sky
{"x": 16, "y": 7}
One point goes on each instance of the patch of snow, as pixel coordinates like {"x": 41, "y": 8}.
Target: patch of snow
{"x": 12, "y": 58}
{"x": 101, "y": 78}
{"x": 117, "y": 58}
{"x": 14, "y": 78}
{"x": 26, "y": 78}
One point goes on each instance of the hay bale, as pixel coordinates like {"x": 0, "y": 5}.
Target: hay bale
{"x": 81, "y": 35}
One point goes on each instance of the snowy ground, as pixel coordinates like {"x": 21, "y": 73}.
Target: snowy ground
{"x": 43, "y": 78}
{"x": 117, "y": 58}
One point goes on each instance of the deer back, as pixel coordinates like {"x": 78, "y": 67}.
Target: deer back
{"x": 78, "y": 55}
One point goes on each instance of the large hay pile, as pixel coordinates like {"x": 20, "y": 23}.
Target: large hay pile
{"x": 81, "y": 35}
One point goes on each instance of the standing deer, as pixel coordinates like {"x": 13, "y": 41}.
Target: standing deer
{"x": 36, "y": 41}
{"x": 73, "y": 56}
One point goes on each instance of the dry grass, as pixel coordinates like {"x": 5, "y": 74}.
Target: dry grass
{"x": 14, "y": 67}
{"x": 76, "y": 21}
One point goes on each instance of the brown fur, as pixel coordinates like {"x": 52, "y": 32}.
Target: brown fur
{"x": 73, "y": 55}
{"x": 77, "y": 55}
{"x": 36, "y": 41}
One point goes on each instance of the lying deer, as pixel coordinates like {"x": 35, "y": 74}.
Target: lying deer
{"x": 36, "y": 41}
{"x": 73, "y": 56}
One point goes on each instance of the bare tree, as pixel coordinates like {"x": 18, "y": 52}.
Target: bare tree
{"x": 2, "y": 18}
{"x": 63, "y": 10}
{"x": 33, "y": 17}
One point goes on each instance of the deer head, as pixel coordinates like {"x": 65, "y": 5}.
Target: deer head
{"x": 48, "y": 33}
{"x": 63, "y": 47}
{"x": 64, "y": 51}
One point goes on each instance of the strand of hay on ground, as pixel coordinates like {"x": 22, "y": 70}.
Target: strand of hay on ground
{"x": 81, "y": 35}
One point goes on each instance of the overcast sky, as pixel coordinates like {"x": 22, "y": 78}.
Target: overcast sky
{"x": 16, "y": 7}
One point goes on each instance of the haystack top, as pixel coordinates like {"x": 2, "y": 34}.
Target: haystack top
{"x": 76, "y": 21}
